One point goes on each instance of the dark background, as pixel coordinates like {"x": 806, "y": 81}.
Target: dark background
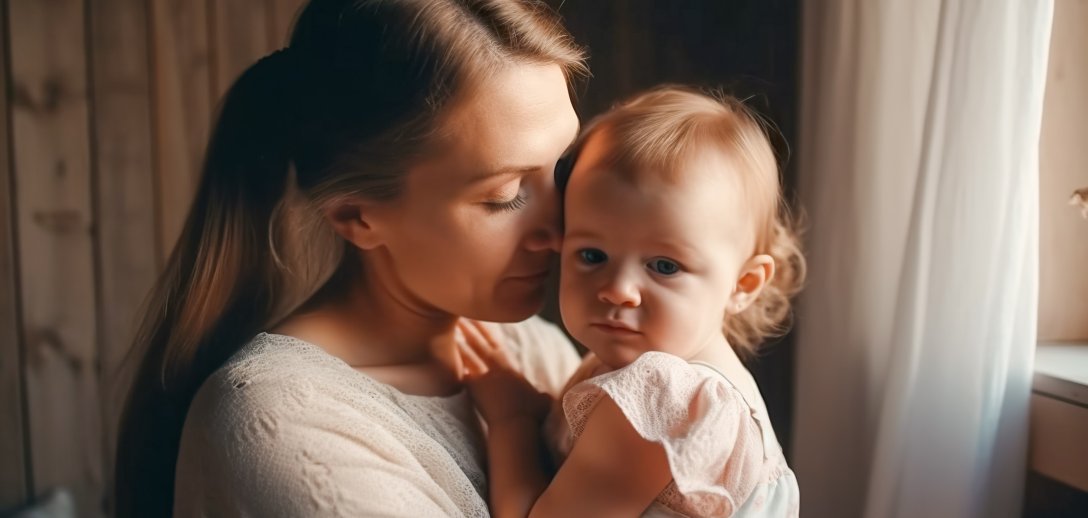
{"x": 749, "y": 49}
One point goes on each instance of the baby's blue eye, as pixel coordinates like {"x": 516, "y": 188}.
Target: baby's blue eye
{"x": 592, "y": 256}
{"x": 664, "y": 266}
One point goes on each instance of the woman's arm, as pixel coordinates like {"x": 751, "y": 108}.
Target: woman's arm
{"x": 514, "y": 411}
{"x": 517, "y": 473}
{"x": 612, "y": 471}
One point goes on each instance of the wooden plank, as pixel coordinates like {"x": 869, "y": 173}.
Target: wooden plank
{"x": 14, "y": 483}
{"x": 241, "y": 32}
{"x": 181, "y": 91}
{"x": 125, "y": 211}
{"x": 53, "y": 180}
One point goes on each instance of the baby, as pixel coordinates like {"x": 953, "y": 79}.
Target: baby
{"x": 678, "y": 259}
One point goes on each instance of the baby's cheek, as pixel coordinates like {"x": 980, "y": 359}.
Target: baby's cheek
{"x": 573, "y": 285}
{"x": 571, "y": 305}
{"x": 678, "y": 325}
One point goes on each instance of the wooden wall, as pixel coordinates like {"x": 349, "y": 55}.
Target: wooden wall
{"x": 106, "y": 116}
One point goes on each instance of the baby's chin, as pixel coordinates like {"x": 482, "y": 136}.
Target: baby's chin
{"x": 617, "y": 355}
{"x": 614, "y": 355}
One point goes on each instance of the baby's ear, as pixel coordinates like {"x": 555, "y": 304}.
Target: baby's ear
{"x": 754, "y": 276}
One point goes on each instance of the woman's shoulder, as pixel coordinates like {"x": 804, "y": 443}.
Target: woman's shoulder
{"x": 271, "y": 370}
{"x": 542, "y": 350}
{"x": 277, "y": 387}
{"x": 283, "y": 429}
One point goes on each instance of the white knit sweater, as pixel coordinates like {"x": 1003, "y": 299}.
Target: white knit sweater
{"x": 285, "y": 429}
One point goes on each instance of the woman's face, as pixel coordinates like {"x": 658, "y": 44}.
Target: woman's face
{"x": 477, "y": 225}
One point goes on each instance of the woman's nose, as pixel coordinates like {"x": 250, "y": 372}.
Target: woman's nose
{"x": 544, "y": 240}
{"x": 620, "y": 290}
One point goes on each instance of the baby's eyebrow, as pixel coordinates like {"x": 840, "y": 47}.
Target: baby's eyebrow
{"x": 677, "y": 248}
{"x": 581, "y": 234}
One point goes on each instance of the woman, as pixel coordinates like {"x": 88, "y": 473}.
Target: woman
{"x": 387, "y": 173}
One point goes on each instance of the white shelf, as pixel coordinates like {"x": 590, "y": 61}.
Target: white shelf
{"x": 1061, "y": 371}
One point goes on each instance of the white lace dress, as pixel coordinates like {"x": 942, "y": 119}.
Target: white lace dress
{"x": 721, "y": 448}
{"x": 285, "y": 429}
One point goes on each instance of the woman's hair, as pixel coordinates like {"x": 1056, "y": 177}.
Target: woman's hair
{"x": 342, "y": 112}
{"x": 659, "y": 132}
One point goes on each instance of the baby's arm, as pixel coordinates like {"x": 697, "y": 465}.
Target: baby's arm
{"x": 611, "y": 471}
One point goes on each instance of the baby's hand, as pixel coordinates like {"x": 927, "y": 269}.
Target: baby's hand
{"x": 501, "y": 392}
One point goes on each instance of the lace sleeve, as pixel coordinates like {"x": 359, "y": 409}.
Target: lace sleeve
{"x": 713, "y": 444}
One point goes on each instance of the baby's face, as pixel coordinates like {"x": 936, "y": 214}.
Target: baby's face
{"x": 650, "y": 267}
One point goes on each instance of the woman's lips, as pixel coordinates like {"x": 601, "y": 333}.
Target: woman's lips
{"x": 532, "y": 276}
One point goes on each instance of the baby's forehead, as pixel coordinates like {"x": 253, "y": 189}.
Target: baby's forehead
{"x": 618, "y": 202}
{"x": 700, "y": 195}
{"x": 706, "y": 174}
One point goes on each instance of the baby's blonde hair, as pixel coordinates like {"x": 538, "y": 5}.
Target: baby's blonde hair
{"x": 660, "y": 131}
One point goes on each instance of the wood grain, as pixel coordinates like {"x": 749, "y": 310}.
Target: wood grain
{"x": 124, "y": 192}
{"x": 242, "y": 36}
{"x": 55, "y": 225}
{"x": 14, "y": 485}
{"x": 181, "y": 91}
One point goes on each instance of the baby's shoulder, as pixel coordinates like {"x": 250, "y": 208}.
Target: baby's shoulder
{"x": 667, "y": 378}
{"x": 695, "y": 413}
{"x": 662, "y": 390}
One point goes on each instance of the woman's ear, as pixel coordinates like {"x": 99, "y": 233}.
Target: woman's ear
{"x": 356, "y": 222}
{"x": 754, "y": 276}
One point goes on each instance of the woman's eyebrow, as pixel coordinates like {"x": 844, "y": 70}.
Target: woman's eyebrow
{"x": 505, "y": 171}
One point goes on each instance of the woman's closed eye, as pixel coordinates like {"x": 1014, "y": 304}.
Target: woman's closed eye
{"x": 512, "y": 204}
{"x": 510, "y": 195}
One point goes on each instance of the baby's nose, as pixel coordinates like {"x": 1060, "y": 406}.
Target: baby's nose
{"x": 621, "y": 290}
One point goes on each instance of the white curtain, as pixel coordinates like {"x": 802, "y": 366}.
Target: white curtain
{"x": 918, "y": 161}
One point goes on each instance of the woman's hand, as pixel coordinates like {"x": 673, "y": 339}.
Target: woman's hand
{"x": 500, "y": 391}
